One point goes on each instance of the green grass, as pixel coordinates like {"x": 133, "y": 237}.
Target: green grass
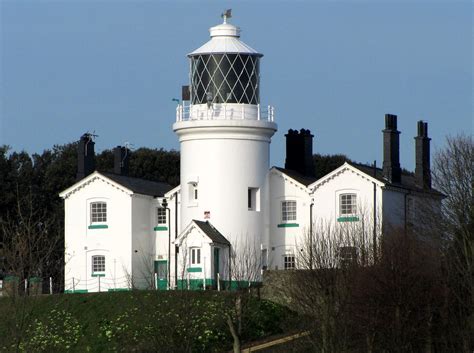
{"x": 136, "y": 321}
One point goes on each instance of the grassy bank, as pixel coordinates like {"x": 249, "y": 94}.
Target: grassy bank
{"x": 137, "y": 321}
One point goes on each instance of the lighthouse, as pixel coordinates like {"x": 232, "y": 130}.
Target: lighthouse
{"x": 225, "y": 134}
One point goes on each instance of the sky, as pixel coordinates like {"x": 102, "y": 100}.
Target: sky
{"x": 334, "y": 67}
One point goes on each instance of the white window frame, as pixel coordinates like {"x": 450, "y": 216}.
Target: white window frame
{"x": 289, "y": 261}
{"x": 347, "y": 209}
{"x": 98, "y": 264}
{"x": 195, "y": 256}
{"x": 100, "y": 215}
{"x": 161, "y": 216}
{"x": 288, "y": 215}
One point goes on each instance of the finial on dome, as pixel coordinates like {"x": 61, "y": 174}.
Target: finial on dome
{"x": 227, "y": 14}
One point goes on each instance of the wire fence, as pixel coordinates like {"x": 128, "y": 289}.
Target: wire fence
{"x": 12, "y": 285}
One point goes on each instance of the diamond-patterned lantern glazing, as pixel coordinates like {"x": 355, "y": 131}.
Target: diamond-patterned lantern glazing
{"x": 225, "y": 78}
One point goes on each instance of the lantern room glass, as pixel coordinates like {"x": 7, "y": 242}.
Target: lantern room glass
{"x": 225, "y": 78}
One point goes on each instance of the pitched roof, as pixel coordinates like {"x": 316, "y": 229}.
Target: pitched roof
{"x": 140, "y": 186}
{"x": 300, "y": 178}
{"x": 212, "y": 232}
{"x": 408, "y": 181}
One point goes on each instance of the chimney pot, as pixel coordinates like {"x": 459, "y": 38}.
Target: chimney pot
{"x": 422, "y": 157}
{"x": 85, "y": 156}
{"x": 121, "y": 160}
{"x": 391, "y": 150}
{"x": 299, "y": 151}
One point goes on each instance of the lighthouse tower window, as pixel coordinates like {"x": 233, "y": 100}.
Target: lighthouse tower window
{"x": 193, "y": 193}
{"x": 253, "y": 199}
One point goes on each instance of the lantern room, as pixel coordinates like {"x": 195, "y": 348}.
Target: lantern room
{"x": 224, "y": 78}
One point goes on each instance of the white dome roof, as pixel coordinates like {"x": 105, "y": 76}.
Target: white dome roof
{"x": 225, "y": 39}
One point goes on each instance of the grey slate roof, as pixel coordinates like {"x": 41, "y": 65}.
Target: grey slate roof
{"x": 212, "y": 232}
{"x": 140, "y": 186}
{"x": 407, "y": 179}
{"x": 407, "y": 182}
{"x": 300, "y": 178}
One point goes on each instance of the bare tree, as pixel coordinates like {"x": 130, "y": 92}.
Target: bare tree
{"x": 245, "y": 262}
{"x": 29, "y": 244}
{"x": 453, "y": 176}
{"x": 29, "y": 240}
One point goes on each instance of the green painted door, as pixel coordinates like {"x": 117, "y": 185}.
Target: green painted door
{"x": 216, "y": 265}
{"x": 161, "y": 269}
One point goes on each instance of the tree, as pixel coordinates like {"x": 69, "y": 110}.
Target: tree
{"x": 325, "y": 164}
{"x": 453, "y": 176}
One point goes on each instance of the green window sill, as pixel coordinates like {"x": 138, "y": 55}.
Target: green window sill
{"x": 118, "y": 289}
{"x": 288, "y": 225}
{"x": 98, "y": 226}
{"x": 158, "y": 228}
{"x": 348, "y": 219}
{"x": 194, "y": 269}
{"x": 98, "y": 275}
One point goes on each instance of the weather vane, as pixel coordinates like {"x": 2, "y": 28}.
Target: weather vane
{"x": 227, "y": 14}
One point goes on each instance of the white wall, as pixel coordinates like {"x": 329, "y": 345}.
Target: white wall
{"x": 325, "y": 197}
{"x": 143, "y": 242}
{"x": 225, "y": 158}
{"x": 394, "y": 209}
{"x": 286, "y": 240}
{"x": 82, "y": 243}
{"x": 326, "y": 213}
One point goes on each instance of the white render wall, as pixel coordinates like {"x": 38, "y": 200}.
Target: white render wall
{"x": 326, "y": 212}
{"x": 283, "y": 240}
{"x": 82, "y": 243}
{"x": 143, "y": 242}
{"x": 394, "y": 209}
{"x": 224, "y": 158}
{"x": 325, "y": 198}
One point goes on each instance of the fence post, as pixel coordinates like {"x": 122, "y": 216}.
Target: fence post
{"x": 99, "y": 283}
{"x": 156, "y": 280}
{"x": 218, "y": 282}
{"x": 73, "y": 285}
{"x": 50, "y": 285}
{"x": 26, "y": 286}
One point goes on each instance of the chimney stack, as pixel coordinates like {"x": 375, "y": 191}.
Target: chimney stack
{"x": 391, "y": 150}
{"x": 422, "y": 156}
{"x": 299, "y": 151}
{"x": 121, "y": 158}
{"x": 85, "y": 156}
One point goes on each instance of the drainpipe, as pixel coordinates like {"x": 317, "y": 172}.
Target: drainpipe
{"x": 165, "y": 206}
{"x": 374, "y": 235}
{"x": 311, "y": 235}
{"x": 406, "y": 212}
{"x": 230, "y": 267}
{"x": 175, "y": 238}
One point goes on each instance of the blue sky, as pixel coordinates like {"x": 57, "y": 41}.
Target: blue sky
{"x": 334, "y": 67}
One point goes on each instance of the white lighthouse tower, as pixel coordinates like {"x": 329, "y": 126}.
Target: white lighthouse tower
{"x": 225, "y": 140}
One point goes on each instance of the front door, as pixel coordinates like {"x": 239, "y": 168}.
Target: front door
{"x": 216, "y": 265}
{"x": 161, "y": 269}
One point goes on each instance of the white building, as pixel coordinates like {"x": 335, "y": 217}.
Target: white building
{"x": 123, "y": 232}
